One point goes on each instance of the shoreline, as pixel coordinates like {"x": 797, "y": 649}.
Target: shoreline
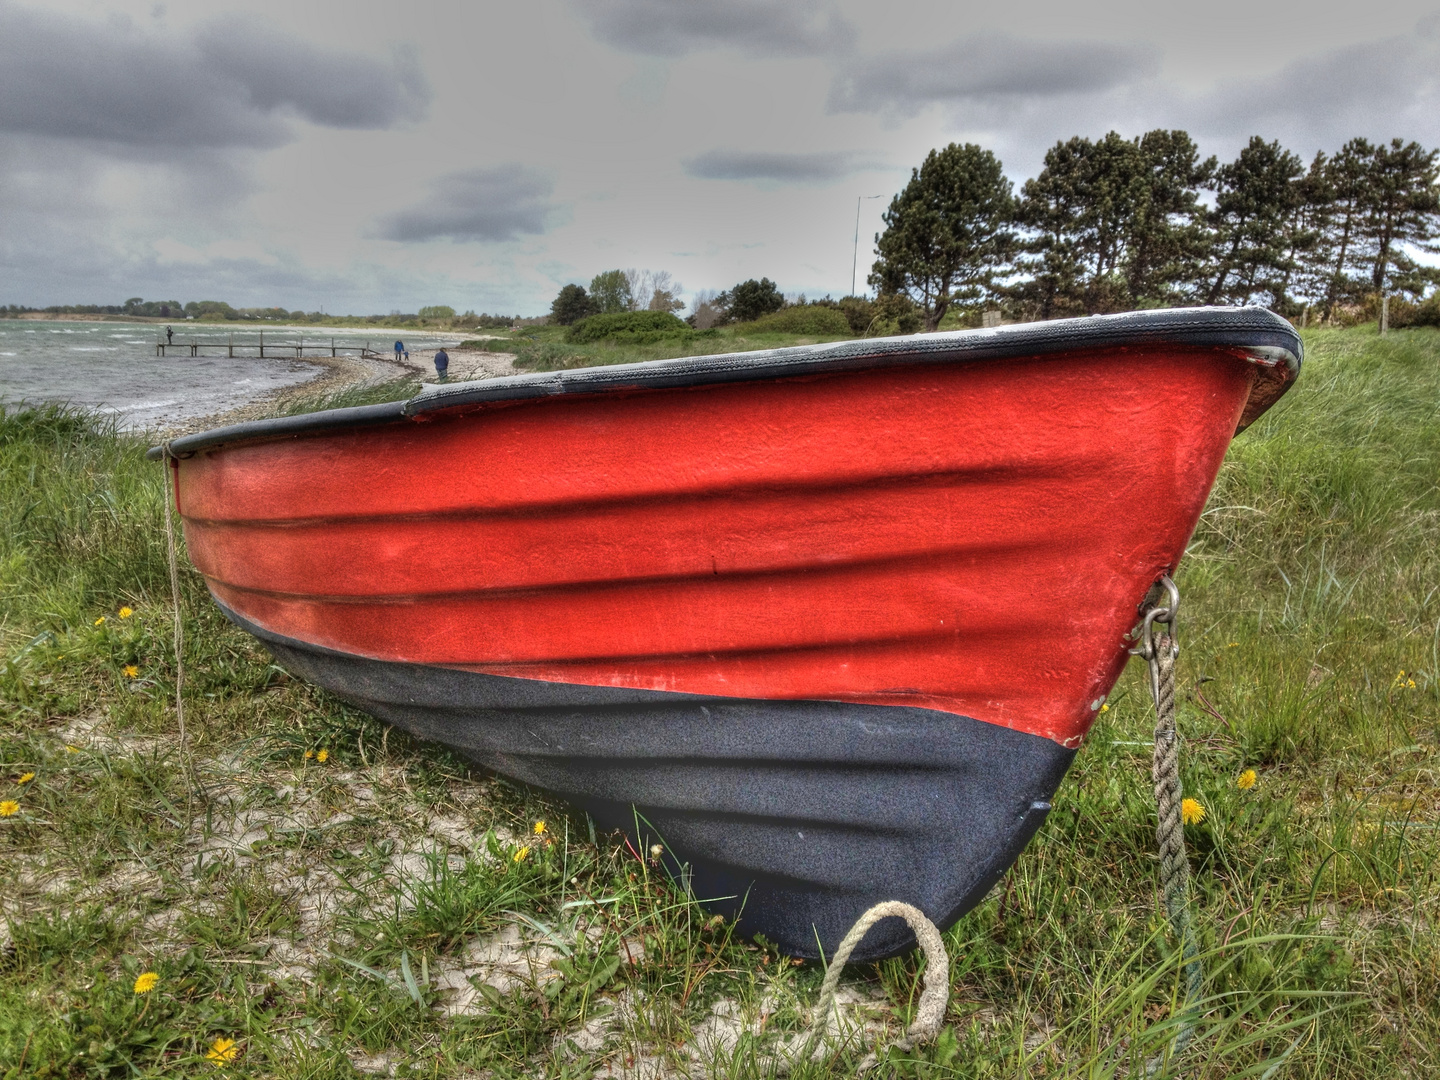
{"x": 343, "y": 373}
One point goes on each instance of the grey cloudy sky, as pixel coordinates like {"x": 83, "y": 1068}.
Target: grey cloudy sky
{"x": 366, "y": 157}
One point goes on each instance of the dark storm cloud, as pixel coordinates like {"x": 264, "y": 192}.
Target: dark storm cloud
{"x": 477, "y": 204}
{"x": 985, "y": 68}
{"x": 760, "y": 27}
{"x": 233, "y": 83}
{"x": 779, "y": 167}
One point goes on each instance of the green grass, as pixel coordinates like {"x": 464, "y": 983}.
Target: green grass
{"x": 326, "y": 914}
{"x": 545, "y": 348}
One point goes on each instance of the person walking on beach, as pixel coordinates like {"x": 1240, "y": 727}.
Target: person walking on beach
{"x": 169, "y": 335}
{"x": 400, "y": 349}
{"x": 442, "y": 363}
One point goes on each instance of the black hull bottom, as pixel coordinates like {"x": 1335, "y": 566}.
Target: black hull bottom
{"x": 792, "y": 816}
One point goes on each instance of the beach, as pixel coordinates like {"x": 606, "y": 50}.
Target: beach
{"x": 112, "y": 367}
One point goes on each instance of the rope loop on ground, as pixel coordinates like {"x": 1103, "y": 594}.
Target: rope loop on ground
{"x": 934, "y": 993}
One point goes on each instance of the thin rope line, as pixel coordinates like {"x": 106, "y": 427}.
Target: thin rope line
{"x": 171, "y": 479}
{"x": 1170, "y": 838}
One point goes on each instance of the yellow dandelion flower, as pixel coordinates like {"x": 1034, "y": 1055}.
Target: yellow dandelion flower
{"x": 100, "y": 621}
{"x": 1233, "y": 645}
{"x": 126, "y": 612}
{"x": 1410, "y": 684}
{"x": 322, "y": 756}
{"x": 309, "y": 754}
{"x": 1105, "y": 708}
{"x": 145, "y": 982}
{"x": 25, "y": 778}
{"x": 522, "y": 854}
{"x": 222, "y": 1052}
{"x": 1191, "y": 812}
{"x": 9, "y": 808}
{"x": 1246, "y": 780}
{"x": 71, "y": 749}
{"x": 539, "y": 828}
{"x": 131, "y": 671}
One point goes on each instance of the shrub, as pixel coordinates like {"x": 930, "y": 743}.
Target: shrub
{"x": 750, "y": 299}
{"x": 894, "y": 313}
{"x": 1427, "y": 312}
{"x": 437, "y": 311}
{"x": 631, "y": 327}
{"x": 814, "y": 319}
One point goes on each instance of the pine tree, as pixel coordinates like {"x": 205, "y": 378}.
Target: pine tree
{"x": 1115, "y": 224}
{"x": 1258, "y": 196}
{"x": 1347, "y": 176}
{"x": 1167, "y": 244}
{"x": 948, "y": 234}
{"x": 1401, "y": 206}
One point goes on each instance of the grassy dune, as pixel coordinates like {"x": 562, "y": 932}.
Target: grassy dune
{"x": 544, "y": 348}
{"x": 334, "y": 897}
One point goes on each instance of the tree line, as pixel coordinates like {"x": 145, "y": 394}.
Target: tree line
{"x": 615, "y": 291}
{"x": 1116, "y": 224}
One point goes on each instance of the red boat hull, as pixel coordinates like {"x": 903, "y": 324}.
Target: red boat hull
{"x": 827, "y": 623}
{"x": 893, "y": 537}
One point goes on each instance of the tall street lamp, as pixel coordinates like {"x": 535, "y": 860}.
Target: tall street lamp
{"x": 855, "y": 260}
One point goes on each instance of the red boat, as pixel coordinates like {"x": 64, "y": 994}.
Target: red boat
{"x": 828, "y": 623}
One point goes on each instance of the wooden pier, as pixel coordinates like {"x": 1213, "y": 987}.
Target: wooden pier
{"x": 297, "y": 349}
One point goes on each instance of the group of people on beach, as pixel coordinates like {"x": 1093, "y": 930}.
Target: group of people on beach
{"x": 442, "y": 359}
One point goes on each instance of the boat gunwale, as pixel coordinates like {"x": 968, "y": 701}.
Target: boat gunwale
{"x": 1273, "y": 342}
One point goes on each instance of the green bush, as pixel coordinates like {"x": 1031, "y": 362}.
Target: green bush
{"x": 437, "y": 311}
{"x": 634, "y": 327}
{"x": 1427, "y": 312}
{"x": 810, "y": 319}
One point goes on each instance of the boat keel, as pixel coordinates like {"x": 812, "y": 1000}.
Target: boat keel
{"x": 792, "y": 817}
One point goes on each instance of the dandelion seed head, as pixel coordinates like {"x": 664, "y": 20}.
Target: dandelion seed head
{"x": 656, "y": 850}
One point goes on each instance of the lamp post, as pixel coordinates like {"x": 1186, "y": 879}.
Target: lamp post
{"x": 855, "y": 259}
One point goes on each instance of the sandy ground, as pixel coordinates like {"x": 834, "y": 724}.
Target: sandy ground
{"x": 465, "y": 365}
{"x": 343, "y": 372}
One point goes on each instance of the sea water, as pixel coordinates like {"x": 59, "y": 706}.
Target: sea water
{"x": 112, "y": 366}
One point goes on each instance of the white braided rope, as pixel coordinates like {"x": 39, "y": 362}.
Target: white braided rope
{"x": 934, "y": 993}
